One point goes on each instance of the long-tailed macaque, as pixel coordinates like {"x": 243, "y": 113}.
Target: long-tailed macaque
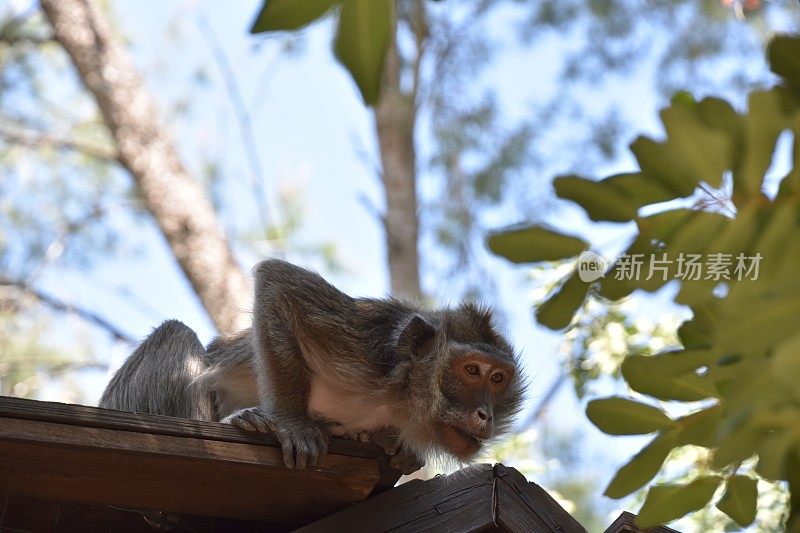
{"x": 317, "y": 362}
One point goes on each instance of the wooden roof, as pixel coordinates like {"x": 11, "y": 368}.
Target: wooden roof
{"x": 83, "y": 454}
{"x": 477, "y": 498}
{"x": 626, "y": 523}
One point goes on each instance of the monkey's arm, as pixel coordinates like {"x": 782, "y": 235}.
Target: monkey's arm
{"x": 292, "y": 305}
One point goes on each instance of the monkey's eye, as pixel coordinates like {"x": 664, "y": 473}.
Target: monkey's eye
{"x": 472, "y": 370}
{"x": 497, "y": 377}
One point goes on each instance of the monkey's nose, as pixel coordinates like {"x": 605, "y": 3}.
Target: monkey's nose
{"x": 482, "y": 421}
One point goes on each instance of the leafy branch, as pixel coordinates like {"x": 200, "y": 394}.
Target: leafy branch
{"x": 734, "y": 379}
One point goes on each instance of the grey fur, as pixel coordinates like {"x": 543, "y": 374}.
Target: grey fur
{"x": 160, "y": 376}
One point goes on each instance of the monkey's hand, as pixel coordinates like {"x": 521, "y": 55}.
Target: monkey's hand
{"x": 402, "y": 458}
{"x": 302, "y": 440}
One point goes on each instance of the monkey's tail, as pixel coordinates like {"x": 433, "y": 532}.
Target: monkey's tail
{"x": 159, "y": 376}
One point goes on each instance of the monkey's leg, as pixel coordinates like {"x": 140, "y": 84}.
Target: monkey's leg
{"x": 402, "y": 458}
{"x": 159, "y": 376}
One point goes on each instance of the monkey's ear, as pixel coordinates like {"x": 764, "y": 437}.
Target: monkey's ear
{"x": 417, "y": 337}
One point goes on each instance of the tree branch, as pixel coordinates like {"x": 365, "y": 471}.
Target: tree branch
{"x": 178, "y": 203}
{"x": 421, "y": 32}
{"x": 38, "y": 138}
{"x": 64, "y": 307}
{"x": 395, "y": 117}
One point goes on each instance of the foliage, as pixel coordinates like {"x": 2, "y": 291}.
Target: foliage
{"x": 362, "y": 37}
{"x": 740, "y": 350}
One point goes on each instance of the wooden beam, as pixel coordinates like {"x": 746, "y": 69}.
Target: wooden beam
{"x": 523, "y": 506}
{"x": 82, "y": 454}
{"x": 626, "y": 523}
{"x": 82, "y": 415}
{"x": 478, "y": 498}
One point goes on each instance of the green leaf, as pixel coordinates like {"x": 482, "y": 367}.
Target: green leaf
{"x": 737, "y": 445}
{"x": 736, "y": 236}
{"x": 287, "y": 15}
{"x": 558, "y": 310}
{"x": 700, "y": 428}
{"x": 598, "y": 199}
{"x": 695, "y": 234}
{"x": 670, "y": 376}
{"x": 657, "y": 161}
{"x": 785, "y": 363}
{"x": 698, "y": 331}
{"x": 784, "y": 58}
{"x": 535, "y": 243}
{"x": 686, "y": 388}
{"x": 720, "y": 115}
{"x": 790, "y": 184}
{"x": 739, "y": 500}
{"x": 762, "y": 125}
{"x": 640, "y": 188}
{"x": 683, "y": 97}
{"x": 701, "y": 152}
{"x": 668, "y": 363}
{"x": 776, "y": 232}
{"x": 362, "y": 41}
{"x": 665, "y": 225}
{"x": 667, "y": 502}
{"x": 757, "y": 316}
{"x": 654, "y": 229}
{"x": 642, "y": 468}
{"x": 620, "y": 416}
{"x": 773, "y": 451}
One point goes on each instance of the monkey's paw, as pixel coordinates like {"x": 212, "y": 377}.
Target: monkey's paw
{"x": 251, "y": 419}
{"x": 302, "y": 440}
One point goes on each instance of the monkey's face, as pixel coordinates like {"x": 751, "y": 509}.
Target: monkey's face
{"x": 472, "y": 385}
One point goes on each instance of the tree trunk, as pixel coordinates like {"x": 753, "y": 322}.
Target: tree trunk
{"x": 178, "y": 203}
{"x": 395, "y": 116}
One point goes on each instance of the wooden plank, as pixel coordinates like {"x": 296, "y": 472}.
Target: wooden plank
{"x": 523, "y": 506}
{"x": 83, "y": 454}
{"x": 174, "y": 474}
{"x": 626, "y": 523}
{"x": 83, "y": 415}
{"x": 461, "y": 502}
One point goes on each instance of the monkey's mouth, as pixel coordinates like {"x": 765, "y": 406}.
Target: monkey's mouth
{"x": 460, "y": 443}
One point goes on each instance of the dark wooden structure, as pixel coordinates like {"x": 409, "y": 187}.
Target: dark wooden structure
{"x": 478, "y": 498}
{"x": 73, "y": 453}
{"x": 76, "y": 468}
{"x": 626, "y": 523}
